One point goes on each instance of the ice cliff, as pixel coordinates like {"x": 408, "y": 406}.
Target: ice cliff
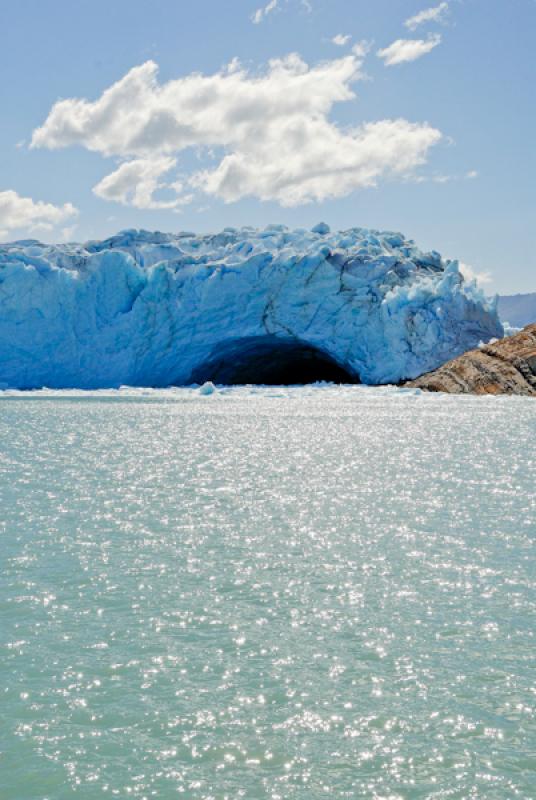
{"x": 241, "y": 306}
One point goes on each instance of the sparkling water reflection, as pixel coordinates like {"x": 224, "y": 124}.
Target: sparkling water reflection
{"x": 293, "y": 593}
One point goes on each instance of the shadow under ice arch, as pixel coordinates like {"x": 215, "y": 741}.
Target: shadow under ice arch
{"x": 271, "y": 360}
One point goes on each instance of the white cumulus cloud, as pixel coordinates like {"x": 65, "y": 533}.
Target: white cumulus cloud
{"x": 362, "y": 48}
{"x": 470, "y": 274}
{"x": 17, "y": 213}
{"x": 314, "y": 161}
{"x": 266, "y": 135}
{"x": 341, "y": 39}
{"x": 434, "y": 14}
{"x": 135, "y": 183}
{"x": 408, "y": 50}
{"x": 262, "y": 12}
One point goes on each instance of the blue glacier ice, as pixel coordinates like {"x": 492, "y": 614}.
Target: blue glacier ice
{"x": 155, "y": 309}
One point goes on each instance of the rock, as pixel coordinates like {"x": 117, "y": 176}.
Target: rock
{"x": 507, "y": 366}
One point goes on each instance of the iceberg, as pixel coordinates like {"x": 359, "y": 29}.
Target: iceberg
{"x": 241, "y": 306}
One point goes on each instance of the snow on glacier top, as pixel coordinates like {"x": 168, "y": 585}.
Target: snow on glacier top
{"x": 230, "y": 246}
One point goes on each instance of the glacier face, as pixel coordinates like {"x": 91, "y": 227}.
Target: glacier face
{"x": 154, "y": 309}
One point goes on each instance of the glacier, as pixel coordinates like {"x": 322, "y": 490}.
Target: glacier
{"x": 240, "y": 306}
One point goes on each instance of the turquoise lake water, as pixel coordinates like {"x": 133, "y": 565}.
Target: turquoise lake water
{"x": 295, "y": 593}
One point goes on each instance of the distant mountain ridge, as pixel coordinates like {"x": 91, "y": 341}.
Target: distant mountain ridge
{"x": 518, "y": 309}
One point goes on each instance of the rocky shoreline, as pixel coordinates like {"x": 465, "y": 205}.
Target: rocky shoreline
{"x": 507, "y": 366}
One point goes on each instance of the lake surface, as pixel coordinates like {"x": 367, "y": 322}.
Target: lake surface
{"x": 267, "y": 593}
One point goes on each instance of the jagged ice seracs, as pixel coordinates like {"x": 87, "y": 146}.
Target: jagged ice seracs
{"x": 240, "y": 306}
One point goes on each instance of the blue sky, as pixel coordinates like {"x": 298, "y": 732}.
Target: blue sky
{"x": 439, "y": 146}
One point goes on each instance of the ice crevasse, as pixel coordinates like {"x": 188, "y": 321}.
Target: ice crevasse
{"x": 240, "y": 306}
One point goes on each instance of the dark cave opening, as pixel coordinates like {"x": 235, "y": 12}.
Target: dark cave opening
{"x": 272, "y": 361}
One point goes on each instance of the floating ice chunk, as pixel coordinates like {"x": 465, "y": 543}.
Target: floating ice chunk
{"x": 207, "y": 388}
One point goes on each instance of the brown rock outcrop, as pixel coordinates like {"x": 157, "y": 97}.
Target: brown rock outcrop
{"x": 507, "y": 366}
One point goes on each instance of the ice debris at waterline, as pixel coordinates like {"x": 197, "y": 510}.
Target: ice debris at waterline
{"x": 242, "y": 306}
